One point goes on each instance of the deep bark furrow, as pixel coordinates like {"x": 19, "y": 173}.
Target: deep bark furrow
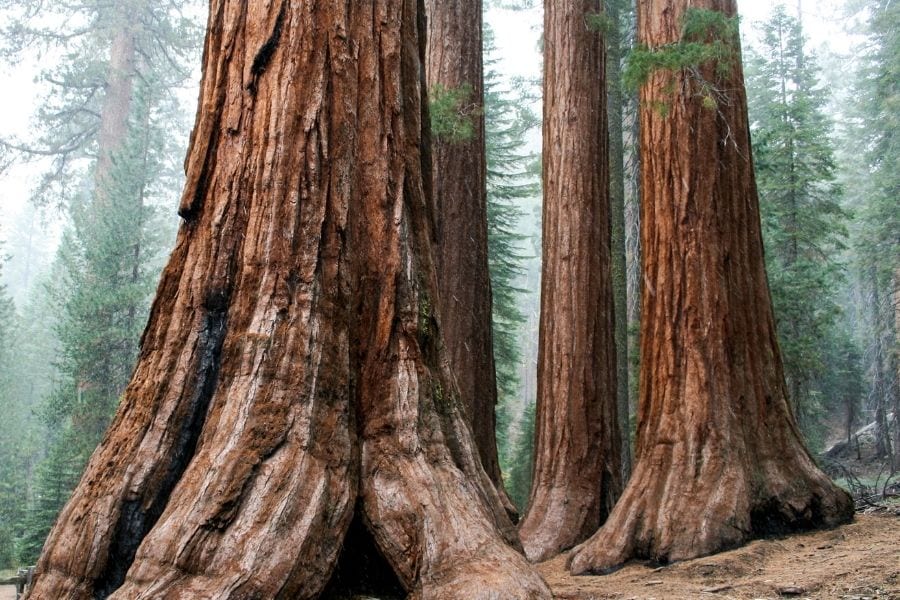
{"x": 137, "y": 518}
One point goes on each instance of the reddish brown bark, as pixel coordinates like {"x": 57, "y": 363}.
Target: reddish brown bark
{"x": 292, "y": 369}
{"x": 719, "y": 458}
{"x": 577, "y": 470}
{"x": 454, "y": 62}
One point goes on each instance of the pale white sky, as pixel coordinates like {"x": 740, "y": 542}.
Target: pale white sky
{"x": 517, "y": 32}
{"x": 517, "y": 35}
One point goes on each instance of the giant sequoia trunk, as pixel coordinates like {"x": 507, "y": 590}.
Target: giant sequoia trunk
{"x": 577, "y": 471}
{"x": 292, "y": 371}
{"x": 719, "y": 459}
{"x": 454, "y": 64}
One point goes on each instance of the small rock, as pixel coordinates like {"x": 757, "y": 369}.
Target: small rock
{"x": 717, "y": 589}
{"x": 790, "y": 590}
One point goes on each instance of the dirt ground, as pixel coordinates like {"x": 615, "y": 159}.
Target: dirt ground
{"x": 860, "y": 561}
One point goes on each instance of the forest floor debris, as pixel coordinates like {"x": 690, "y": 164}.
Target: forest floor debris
{"x": 855, "y": 562}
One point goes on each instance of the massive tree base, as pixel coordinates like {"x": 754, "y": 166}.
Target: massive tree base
{"x": 719, "y": 510}
{"x": 292, "y": 373}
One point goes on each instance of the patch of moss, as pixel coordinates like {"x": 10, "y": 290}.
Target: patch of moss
{"x": 453, "y": 112}
{"x": 708, "y": 37}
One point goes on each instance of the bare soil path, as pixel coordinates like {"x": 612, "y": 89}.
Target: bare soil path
{"x": 860, "y": 561}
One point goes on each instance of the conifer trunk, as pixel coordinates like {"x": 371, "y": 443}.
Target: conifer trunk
{"x": 116, "y": 107}
{"x": 895, "y": 361}
{"x": 454, "y": 63}
{"x": 616, "y": 117}
{"x": 577, "y": 469}
{"x": 292, "y": 372}
{"x": 882, "y": 388}
{"x": 719, "y": 458}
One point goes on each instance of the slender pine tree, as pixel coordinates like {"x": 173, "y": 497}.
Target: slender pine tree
{"x": 105, "y": 130}
{"x": 804, "y": 226}
{"x": 878, "y": 240}
{"x": 508, "y": 119}
{"x": 108, "y": 263}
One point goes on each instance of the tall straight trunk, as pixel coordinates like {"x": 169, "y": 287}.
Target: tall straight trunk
{"x": 881, "y": 379}
{"x": 895, "y": 361}
{"x": 115, "y": 112}
{"x": 116, "y": 107}
{"x": 719, "y": 458}
{"x": 577, "y": 469}
{"x": 454, "y": 62}
{"x": 616, "y": 115}
{"x": 292, "y": 372}
{"x": 633, "y": 250}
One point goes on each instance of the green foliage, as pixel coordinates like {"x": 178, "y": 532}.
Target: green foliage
{"x": 601, "y": 22}
{"x": 804, "y": 226}
{"x": 25, "y": 376}
{"x": 56, "y": 477}
{"x": 509, "y": 182}
{"x": 97, "y": 298}
{"x": 11, "y": 477}
{"x": 518, "y": 481}
{"x": 452, "y": 113}
{"x": 79, "y": 36}
{"x": 7, "y": 314}
{"x": 708, "y": 37}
